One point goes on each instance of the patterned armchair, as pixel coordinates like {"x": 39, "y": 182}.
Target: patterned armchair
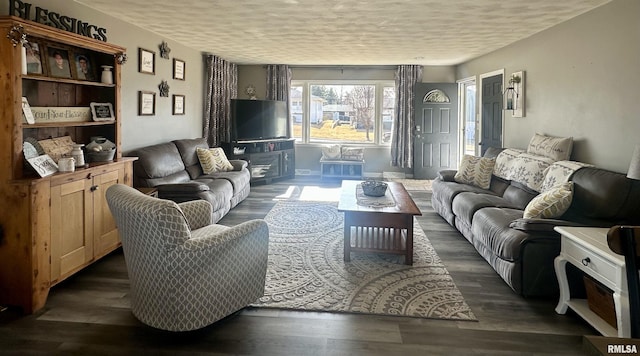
{"x": 185, "y": 272}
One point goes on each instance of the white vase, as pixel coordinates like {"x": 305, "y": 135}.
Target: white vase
{"x": 23, "y": 58}
{"x": 107, "y": 75}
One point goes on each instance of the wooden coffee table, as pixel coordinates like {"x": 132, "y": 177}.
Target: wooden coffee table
{"x": 378, "y": 229}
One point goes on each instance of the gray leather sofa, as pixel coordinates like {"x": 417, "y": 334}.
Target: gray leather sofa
{"x": 174, "y": 169}
{"x": 522, "y": 250}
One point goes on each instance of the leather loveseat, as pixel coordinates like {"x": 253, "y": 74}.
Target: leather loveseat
{"x": 522, "y": 250}
{"x": 174, "y": 169}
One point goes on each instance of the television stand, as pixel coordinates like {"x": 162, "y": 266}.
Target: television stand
{"x": 268, "y": 159}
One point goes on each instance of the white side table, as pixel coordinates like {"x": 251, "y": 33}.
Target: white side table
{"x": 587, "y": 249}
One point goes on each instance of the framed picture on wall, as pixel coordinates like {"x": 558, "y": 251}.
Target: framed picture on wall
{"x": 146, "y": 61}
{"x": 178, "y": 105}
{"x": 146, "y": 103}
{"x": 178, "y": 69}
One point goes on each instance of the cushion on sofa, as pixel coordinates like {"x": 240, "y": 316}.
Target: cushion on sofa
{"x": 158, "y": 164}
{"x": 466, "y": 204}
{"x": 491, "y": 230}
{"x": 550, "y": 204}
{"x": 556, "y": 148}
{"x": 475, "y": 171}
{"x": 213, "y": 160}
{"x": 187, "y": 149}
{"x": 238, "y": 179}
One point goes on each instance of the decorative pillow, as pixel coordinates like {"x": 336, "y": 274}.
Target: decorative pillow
{"x": 550, "y": 204}
{"x": 557, "y": 148}
{"x": 353, "y": 153}
{"x": 475, "y": 171}
{"x": 331, "y": 152}
{"x": 213, "y": 160}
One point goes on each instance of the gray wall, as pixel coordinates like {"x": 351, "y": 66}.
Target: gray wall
{"x": 377, "y": 158}
{"x": 137, "y": 130}
{"x": 581, "y": 80}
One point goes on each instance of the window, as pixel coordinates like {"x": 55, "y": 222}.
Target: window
{"x": 467, "y": 93}
{"x": 342, "y": 112}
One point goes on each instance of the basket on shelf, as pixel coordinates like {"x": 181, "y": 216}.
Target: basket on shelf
{"x": 101, "y": 156}
{"x": 101, "y": 150}
{"x": 374, "y": 188}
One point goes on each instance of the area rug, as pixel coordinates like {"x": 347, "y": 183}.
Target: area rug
{"x": 414, "y": 184}
{"x": 307, "y": 272}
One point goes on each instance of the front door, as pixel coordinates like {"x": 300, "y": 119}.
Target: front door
{"x": 491, "y": 113}
{"x": 436, "y": 129}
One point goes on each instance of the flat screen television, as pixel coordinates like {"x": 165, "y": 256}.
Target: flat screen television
{"x": 253, "y": 120}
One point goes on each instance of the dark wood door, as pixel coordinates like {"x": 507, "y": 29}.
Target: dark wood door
{"x": 436, "y": 129}
{"x": 491, "y": 119}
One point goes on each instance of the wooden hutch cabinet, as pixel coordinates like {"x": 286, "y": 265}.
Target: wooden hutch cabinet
{"x": 54, "y": 226}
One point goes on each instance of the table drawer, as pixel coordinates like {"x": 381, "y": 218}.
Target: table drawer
{"x": 596, "y": 264}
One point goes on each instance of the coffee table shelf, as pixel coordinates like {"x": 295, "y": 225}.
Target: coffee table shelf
{"x": 378, "y": 229}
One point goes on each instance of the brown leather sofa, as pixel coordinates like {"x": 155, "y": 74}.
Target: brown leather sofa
{"x": 521, "y": 250}
{"x": 174, "y": 169}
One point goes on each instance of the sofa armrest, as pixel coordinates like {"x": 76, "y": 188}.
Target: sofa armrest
{"x": 540, "y": 225}
{"x": 197, "y": 213}
{"x": 181, "y": 188}
{"x": 447, "y": 175}
{"x": 238, "y": 164}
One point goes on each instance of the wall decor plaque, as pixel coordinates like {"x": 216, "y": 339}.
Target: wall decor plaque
{"x": 102, "y": 111}
{"x": 44, "y": 165}
{"x": 44, "y": 114}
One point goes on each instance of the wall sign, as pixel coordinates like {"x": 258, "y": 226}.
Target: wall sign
{"x": 60, "y": 114}
{"x": 54, "y": 19}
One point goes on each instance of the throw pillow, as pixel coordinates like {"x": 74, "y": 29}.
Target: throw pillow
{"x": 475, "y": 171}
{"x": 213, "y": 160}
{"x": 331, "y": 152}
{"x": 550, "y": 204}
{"x": 557, "y": 148}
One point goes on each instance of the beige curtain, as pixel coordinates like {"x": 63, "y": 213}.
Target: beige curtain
{"x": 402, "y": 134}
{"x": 221, "y": 86}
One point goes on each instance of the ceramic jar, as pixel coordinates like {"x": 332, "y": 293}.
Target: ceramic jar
{"x": 66, "y": 164}
{"x": 78, "y": 155}
{"x": 107, "y": 75}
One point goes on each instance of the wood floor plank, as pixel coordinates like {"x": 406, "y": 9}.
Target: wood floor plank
{"x": 89, "y": 314}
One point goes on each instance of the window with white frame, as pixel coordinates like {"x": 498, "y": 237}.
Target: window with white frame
{"x": 342, "y": 111}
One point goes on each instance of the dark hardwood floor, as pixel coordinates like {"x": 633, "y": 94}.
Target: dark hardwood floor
{"x": 88, "y": 314}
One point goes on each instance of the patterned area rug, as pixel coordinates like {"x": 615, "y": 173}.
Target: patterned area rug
{"x": 307, "y": 271}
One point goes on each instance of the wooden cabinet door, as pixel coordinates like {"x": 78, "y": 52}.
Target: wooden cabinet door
{"x": 105, "y": 233}
{"x": 71, "y": 227}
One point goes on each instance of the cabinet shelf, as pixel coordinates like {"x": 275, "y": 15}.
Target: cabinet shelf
{"x": 67, "y": 81}
{"x": 67, "y": 124}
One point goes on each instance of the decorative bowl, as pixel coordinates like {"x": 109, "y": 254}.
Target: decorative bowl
{"x": 374, "y": 188}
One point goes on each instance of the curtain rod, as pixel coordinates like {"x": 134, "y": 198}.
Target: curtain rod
{"x": 356, "y": 67}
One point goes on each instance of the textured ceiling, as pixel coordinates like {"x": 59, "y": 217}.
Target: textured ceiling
{"x": 345, "y": 32}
